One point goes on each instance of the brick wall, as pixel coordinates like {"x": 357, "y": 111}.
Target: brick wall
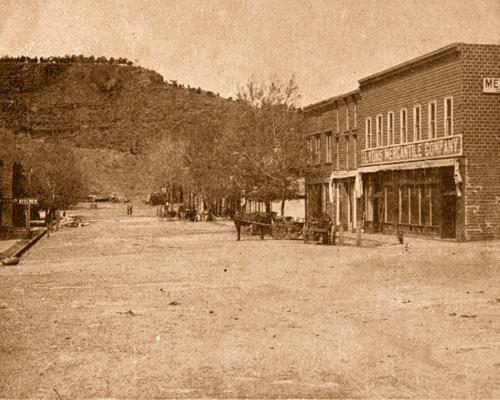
{"x": 457, "y": 72}
{"x": 323, "y": 120}
{"x": 6, "y": 192}
{"x": 481, "y": 127}
{"x": 419, "y": 86}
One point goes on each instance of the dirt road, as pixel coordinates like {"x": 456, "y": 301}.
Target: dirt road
{"x": 134, "y": 307}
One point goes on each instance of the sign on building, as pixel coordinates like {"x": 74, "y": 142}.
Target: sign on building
{"x": 491, "y": 85}
{"x": 26, "y": 201}
{"x": 450, "y": 146}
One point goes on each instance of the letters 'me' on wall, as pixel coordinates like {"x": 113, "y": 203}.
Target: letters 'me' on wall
{"x": 491, "y": 85}
{"x": 428, "y": 149}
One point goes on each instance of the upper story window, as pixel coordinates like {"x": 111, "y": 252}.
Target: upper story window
{"x": 317, "y": 150}
{"x": 448, "y": 116}
{"x": 347, "y": 117}
{"x": 432, "y": 119}
{"x": 347, "y": 149}
{"x": 417, "y": 123}
{"x": 337, "y": 120}
{"x": 328, "y": 139}
{"x": 378, "y": 129}
{"x": 355, "y": 115}
{"x": 309, "y": 150}
{"x": 354, "y": 151}
{"x": 368, "y": 133}
{"x": 390, "y": 128}
{"x": 337, "y": 153}
{"x": 403, "y": 125}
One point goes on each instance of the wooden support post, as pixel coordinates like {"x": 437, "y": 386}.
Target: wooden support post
{"x": 341, "y": 234}
{"x": 358, "y": 233}
{"x": 27, "y": 211}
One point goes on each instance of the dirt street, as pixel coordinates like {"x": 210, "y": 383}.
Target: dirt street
{"x": 134, "y": 307}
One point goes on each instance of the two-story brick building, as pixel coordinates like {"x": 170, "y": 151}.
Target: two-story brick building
{"x": 425, "y": 143}
{"x": 332, "y": 142}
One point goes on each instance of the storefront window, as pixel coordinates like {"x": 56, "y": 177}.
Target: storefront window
{"x": 414, "y": 205}
{"x": 425, "y": 205}
{"x": 404, "y": 202}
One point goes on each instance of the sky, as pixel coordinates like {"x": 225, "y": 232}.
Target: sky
{"x": 219, "y": 45}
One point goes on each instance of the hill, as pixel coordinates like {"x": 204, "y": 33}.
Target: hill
{"x": 111, "y": 112}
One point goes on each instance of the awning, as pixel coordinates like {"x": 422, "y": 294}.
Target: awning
{"x": 447, "y": 162}
{"x": 342, "y": 174}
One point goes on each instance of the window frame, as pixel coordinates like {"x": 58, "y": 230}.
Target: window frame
{"x": 317, "y": 149}
{"x": 355, "y": 149}
{"x": 390, "y": 128}
{"x": 328, "y": 147}
{"x": 379, "y": 125}
{"x": 419, "y": 108}
{"x": 347, "y": 150}
{"x": 355, "y": 115}
{"x": 432, "y": 133}
{"x": 368, "y": 133}
{"x": 347, "y": 116}
{"x": 337, "y": 130}
{"x": 446, "y": 133}
{"x": 337, "y": 152}
{"x": 403, "y": 138}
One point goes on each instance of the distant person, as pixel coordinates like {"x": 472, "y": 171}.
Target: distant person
{"x": 49, "y": 218}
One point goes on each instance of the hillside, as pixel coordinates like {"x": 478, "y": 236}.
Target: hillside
{"x": 115, "y": 108}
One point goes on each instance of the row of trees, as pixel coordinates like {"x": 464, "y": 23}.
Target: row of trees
{"x": 68, "y": 59}
{"x": 253, "y": 146}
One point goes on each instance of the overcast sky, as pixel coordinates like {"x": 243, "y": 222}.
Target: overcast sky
{"x": 328, "y": 44}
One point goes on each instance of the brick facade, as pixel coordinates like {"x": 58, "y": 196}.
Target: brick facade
{"x": 451, "y": 190}
{"x": 480, "y": 119}
{"x": 5, "y": 193}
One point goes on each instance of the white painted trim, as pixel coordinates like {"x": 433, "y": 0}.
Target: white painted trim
{"x": 415, "y": 108}
{"x": 390, "y": 142}
{"x": 401, "y": 137}
{"x": 445, "y": 116}
{"x": 368, "y": 133}
{"x": 429, "y": 119}
{"x": 379, "y": 127}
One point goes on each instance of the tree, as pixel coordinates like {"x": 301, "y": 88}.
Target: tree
{"x": 205, "y": 153}
{"x": 267, "y": 139}
{"x": 52, "y": 175}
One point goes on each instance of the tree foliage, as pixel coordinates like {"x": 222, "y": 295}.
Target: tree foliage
{"x": 50, "y": 172}
{"x": 267, "y": 139}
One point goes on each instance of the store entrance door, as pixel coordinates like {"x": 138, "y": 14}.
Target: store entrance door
{"x": 448, "y": 215}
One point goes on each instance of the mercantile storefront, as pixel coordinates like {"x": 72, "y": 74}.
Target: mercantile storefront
{"x": 415, "y": 151}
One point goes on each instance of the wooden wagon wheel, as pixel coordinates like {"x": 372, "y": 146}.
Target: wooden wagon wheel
{"x": 275, "y": 232}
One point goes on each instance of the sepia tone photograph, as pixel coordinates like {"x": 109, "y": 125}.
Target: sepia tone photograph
{"x": 249, "y": 199}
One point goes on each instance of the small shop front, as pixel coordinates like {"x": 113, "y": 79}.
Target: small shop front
{"x": 342, "y": 194}
{"x": 419, "y": 198}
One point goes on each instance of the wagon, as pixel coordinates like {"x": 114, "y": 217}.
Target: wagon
{"x": 287, "y": 228}
{"x": 319, "y": 229}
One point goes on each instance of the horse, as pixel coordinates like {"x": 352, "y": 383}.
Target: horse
{"x": 262, "y": 221}
{"x": 190, "y": 214}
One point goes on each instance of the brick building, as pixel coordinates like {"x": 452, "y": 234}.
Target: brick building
{"x": 419, "y": 150}
{"x": 6, "y": 207}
